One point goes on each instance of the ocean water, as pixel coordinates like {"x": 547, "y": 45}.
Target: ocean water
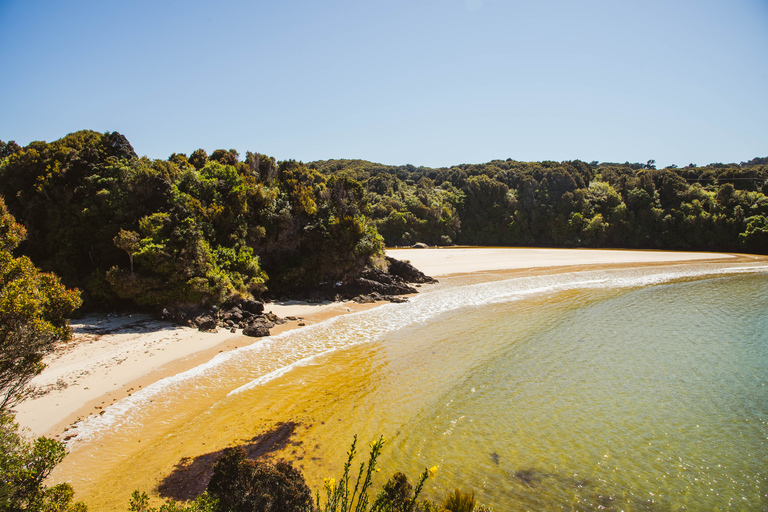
{"x": 631, "y": 389}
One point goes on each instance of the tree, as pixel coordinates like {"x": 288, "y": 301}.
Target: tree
{"x": 198, "y": 158}
{"x": 225, "y": 157}
{"x": 9, "y": 148}
{"x": 23, "y": 468}
{"x": 129, "y": 241}
{"x": 34, "y": 307}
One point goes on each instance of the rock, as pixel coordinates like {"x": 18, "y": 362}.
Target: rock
{"x": 252, "y": 306}
{"x": 408, "y": 272}
{"x": 256, "y": 330}
{"x": 206, "y": 323}
{"x": 271, "y": 317}
{"x": 420, "y": 245}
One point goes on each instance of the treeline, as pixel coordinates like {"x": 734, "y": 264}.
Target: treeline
{"x": 567, "y": 204}
{"x": 204, "y": 228}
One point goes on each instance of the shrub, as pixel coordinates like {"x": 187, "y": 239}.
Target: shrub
{"x": 243, "y": 485}
{"x": 457, "y": 501}
{"x": 203, "y": 503}
{"x": 396, "y": 496}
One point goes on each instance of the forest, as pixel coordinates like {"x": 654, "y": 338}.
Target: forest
{"x": 718, "y": 207}
{"x": 136, "y": 232}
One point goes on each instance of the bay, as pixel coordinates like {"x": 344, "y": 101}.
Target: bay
{"x": 632, "y": 389}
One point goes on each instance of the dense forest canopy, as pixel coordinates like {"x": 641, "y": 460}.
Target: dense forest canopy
{"x": 205, "y": 228}
{"x": 567, "y": 204}
{"x": 190, "y": 229}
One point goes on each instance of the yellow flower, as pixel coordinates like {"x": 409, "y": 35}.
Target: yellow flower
{"x": 330, "y": 482}
{"x": 432, "y": 471}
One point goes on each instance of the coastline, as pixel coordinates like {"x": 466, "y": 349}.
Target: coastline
{"x": 112, "y": 356}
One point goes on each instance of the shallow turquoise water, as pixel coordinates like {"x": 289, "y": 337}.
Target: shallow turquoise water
{"x": 648, "y": 399}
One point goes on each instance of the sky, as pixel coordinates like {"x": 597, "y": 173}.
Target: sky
{"x": 423, "y": 82}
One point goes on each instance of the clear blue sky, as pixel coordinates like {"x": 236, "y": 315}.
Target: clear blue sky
{"x": 425, "y": 82}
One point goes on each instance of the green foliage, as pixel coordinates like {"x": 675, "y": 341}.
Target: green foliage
{"x": 566, "y": 204}
{"x": 395, "y": 497}
{"x": 243, "y": 485}
{"x": 203, "y": 503}
{"x": 23, "y": 468}
{"x": 128, "y": 241}
{"x": 34, "y": 307}
{"x": 202, "y": 229}
{"x": 458, "y": 501}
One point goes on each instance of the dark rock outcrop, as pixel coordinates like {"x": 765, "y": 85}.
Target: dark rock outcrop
{"x": 393, "y": 281}
{"x": 206, "y": 323}
{"x": 240, "y": 314}
{"x": 367, "y": 286}
{"x": 256, "y": 330}
{"x": 408, "y": 272}
{"x": 252, "y": 306}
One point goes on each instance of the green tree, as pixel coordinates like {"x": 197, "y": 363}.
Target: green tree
{"x": 24, "y": 466}
{"x": 128, "y": 241}
{"x": 34, "y": 307}
{"x": 198, "y": 158}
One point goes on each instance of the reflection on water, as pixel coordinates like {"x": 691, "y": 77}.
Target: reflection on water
{"x": 552, "y": 393}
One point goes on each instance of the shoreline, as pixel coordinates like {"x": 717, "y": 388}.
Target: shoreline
{"x": 111, "y": 356}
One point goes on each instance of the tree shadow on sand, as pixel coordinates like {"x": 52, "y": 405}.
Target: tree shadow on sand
{"x": 190, "y": 476}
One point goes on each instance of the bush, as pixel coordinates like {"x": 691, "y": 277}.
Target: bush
{"x": 457, "y": 501}
{"x": 395, "y": 497}
{"x": 243, "y": 485}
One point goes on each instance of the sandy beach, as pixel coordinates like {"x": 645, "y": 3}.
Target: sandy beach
{"x": 438, "y": 262}
{"x": 112, "y": 356}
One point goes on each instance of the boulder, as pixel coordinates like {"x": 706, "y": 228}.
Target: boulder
{"x": 407, "y": 272}
{"x": 252, "y": 306}
{"x": 206, "y": 323}
{"x": 256, "y": 330}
